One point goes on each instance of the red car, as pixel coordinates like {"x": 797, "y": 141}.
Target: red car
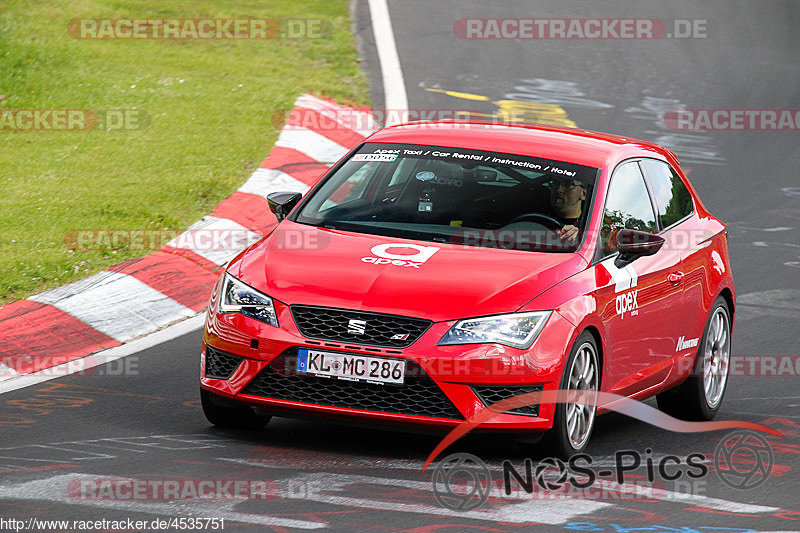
{"x": 441, "y": 267}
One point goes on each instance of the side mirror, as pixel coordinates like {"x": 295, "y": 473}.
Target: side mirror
{"x": 633, "y": 244}
{"x": 281, "y": 203}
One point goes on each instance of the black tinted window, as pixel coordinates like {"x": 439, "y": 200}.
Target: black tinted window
{"x": 627, "y": 205}
{"x": 671, "y": 197}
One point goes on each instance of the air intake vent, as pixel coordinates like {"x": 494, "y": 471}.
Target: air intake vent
{"x": 419, "y": 395}
{"x": 220, "y": 365}
{"x": 491, "y": 394}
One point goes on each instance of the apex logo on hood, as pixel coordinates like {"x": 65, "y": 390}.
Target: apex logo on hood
{"x": 385, "y": 257}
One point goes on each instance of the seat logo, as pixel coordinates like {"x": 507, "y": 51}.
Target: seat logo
{"x": 357, "y": 327}
{"x": 414, "y": 260}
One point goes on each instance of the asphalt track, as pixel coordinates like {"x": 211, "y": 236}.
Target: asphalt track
{"x": 139, "y": 418}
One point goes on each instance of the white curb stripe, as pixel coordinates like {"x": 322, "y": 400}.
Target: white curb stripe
{"x": 217, "y": 239}
{"x": 312, "y": 144}
{"x": 360, "y": 122}
{"x": 266, "y": 180}
{"x": 685, "y": 498}
{"x": 340, "y": 491}
{"x": 394, "y": 87}
{"x": 108, "y": 355}
{"x": 7, "y": 371}
{"x": 116, "y": 304}
{"x": 610, "y": 486}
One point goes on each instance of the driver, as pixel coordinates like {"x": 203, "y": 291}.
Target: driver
{"x": 566, "y": 205}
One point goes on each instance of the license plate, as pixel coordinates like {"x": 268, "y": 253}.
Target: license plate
{"x": 351, "y": 367}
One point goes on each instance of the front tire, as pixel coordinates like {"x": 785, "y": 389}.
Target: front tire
{"x": 700, "y": 396}
{"x": 229, "y": 414}
{"x": 573, "y": 423}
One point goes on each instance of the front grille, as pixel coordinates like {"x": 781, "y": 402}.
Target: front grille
{"x": 419, "y": 395}
{"x": 491, "y": 394}
{"x": 220, "y": 365}
{"x": 325, "y": 323}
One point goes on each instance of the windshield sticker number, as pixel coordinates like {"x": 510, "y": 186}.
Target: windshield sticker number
{"x": 387, "y": 158}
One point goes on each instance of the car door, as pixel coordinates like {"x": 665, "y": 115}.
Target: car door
{"x": 675, "y": 208}
{"x": 640, "y": 306}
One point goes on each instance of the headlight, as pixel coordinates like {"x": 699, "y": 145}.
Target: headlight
{"x": 236, "y": 297}
{"x": 517, "y": 330}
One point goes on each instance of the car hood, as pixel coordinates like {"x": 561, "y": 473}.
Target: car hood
{"x": 300, "y": 264}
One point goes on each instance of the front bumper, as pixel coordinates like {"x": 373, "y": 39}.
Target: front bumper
{"x": 252, "y": 362}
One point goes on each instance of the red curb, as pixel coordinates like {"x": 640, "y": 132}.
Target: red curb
{"x": 249, "y": 210}
{"x": 195, "y": 258}
{"x": 179, "y": 278}
{"x": 296, "y": 164}
{"x": 316, "y": 122}
{"x": 38, "y": 336}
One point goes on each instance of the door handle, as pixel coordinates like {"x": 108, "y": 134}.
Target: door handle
{"x": 676, "y": 277}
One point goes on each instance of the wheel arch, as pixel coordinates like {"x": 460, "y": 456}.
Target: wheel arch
{"x": 599, "y": 340}
{"x": 728, "y": 295}
{"x": 594, "y": 330}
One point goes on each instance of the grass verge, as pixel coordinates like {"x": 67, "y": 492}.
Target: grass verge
{"x": 209, "y": 104}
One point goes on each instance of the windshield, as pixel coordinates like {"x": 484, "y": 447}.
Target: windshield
{"x": 454, "y": 195}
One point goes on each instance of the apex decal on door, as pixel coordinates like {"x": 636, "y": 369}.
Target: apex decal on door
{"x": 385, "y": 257}
{"x": 624, "y": 279}
{"x": 627, "y": 303}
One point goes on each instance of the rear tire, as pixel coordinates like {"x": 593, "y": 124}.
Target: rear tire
{"x": 573, "y": 423}
{"x": 226, "y": 413}
{"x": 700, "y": 396}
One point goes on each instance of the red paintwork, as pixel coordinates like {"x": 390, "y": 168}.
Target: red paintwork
{"x": 639, "y": 353}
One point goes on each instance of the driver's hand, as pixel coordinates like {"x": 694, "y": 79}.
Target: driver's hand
{"x": 569, "y": 233}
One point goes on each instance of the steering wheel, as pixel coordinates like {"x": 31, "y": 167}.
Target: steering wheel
{"x": 547, "y": 221}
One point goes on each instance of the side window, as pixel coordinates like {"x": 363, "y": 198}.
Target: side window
{"x": 671, "y": 197}
{"x": 352, "y": 188}
{"x": 627, "y": 206}
{"x": 402, "y": 172}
